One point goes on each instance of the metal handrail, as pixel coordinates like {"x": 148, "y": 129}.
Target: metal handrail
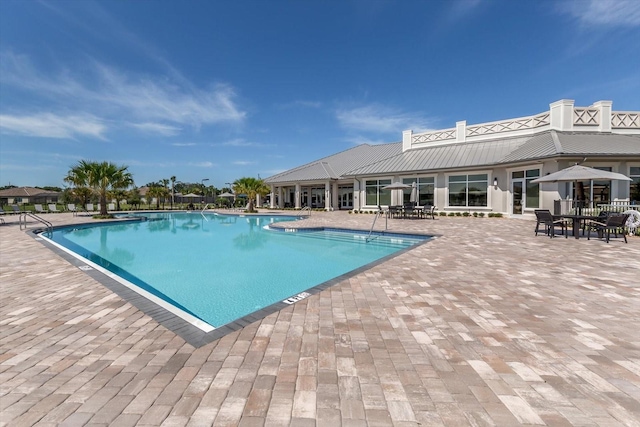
{"x": 306, "y": 209}
{"x": 378, "y": 213}
{"x": 23, "y": 218}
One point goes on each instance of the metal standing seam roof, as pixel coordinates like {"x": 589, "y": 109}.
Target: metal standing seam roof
{"x": 389, "y": 158}
{"x": 448, "y": 156}
{"x": 334, "y": 166}
{"x": 553, "y": 143}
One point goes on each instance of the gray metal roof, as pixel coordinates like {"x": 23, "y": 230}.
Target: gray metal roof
{"x": 553, "y": 143}
{"x": 389, "y": 158}
{"x": 444, "y": 157}
{"x": 334, "y": 166}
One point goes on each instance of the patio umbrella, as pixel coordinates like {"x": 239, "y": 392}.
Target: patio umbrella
{"x": 414, "y": 193}
{"x": 226, "y": 194}
{"x": 578, "y": 173}
{"x": 396, "y": 186}
{"x": 581, "y": 173}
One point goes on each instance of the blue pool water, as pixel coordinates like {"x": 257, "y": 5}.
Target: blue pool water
{"x": 221, "y": 268}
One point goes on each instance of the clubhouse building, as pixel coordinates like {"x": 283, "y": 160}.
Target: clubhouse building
{"x": 485, "y": 167}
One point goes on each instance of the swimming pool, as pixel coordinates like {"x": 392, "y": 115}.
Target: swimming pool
{"x": 219, "y": 268}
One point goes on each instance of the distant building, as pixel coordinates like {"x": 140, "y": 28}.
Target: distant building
{"x": 27, "y": 195}
{"x": 486, "y": 167}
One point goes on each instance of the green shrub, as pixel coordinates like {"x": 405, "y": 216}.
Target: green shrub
{"x": 443, "y": 213}
{"x": 458, "y": 214}
{"x": 481, "y": 214}
{"x": 465, "y": 214}
{"x": 451, "y": 214}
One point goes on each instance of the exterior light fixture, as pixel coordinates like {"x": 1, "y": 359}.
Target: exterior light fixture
{"x": 495, "y": 181}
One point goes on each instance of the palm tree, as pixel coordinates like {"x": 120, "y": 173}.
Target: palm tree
{"x": 102, "y": 178}
{"x": 173, "y": 183}
{"x": 155, "y": 192}
{"x": 251, "y": 187}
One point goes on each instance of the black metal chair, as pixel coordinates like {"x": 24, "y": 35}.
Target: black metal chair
{"x": 543, "y": 216}
{"x": 428, "y": 211}
{"x": 616, "y": 223}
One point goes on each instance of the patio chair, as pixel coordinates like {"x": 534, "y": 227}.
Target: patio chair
{"x": 53, "y": 208}
{"x": 409, "y": 209}
{"x": 39, "y": 209}
{"x": 395, "y": 211}
{"x": 616, "y": 223}
{"x": 543, "y": 216}
{"x": 90, "y": 207}
{"x": 428, "y": 211}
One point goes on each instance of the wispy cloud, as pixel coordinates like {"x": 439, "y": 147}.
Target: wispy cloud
{"x": 202, "y": 164}
{"x": 156, "y": 128}
{"x": 159, "y": 104}
{"x": 609, "y": 13}
{"x": 380, "y": 119}
{"x": 359, "y": 140}
{"x": 239, "y": 142}
{"x": 184, "y": 144}
{"x": 48, "y": 125}
{"x": 243, "y": 163}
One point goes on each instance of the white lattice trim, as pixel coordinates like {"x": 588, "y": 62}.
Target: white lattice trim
{"x": 531, "y": 122}
{"x": 624, "y": 119}
{"x": 441, "y": 135}
{"x": 586, "y": 116}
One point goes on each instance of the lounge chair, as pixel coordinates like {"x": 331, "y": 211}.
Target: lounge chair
{"x": 16, "y": 209}
{"x": 111, "y": 207}
{"x": 616, "y": 223}
{"x": 71, "y": 207}
{"x": 2, "y": 212}
{"x": 53, "y": 208}
{"x": 39, "y": 209}
{"x": 544, "y": 217}
{"x": 90, "y": 207}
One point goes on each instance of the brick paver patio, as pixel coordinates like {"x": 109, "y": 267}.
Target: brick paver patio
{"x": 486, "y": 325}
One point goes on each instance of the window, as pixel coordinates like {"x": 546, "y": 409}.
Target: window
{"x": 634, "y": 174}
{"x": 532, "y": 189}
{"x": 375, "y": 195}
{"x": 426, "y": 187}
{"x": 468, "y": 190}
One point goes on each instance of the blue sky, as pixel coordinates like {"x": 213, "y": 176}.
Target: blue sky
{"x": 225, "y": 89}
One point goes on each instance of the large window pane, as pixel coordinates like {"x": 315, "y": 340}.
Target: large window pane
{"x": 372, "y": 194}
{"x": 533, "y": 195}
{"x": 457, "y": 194}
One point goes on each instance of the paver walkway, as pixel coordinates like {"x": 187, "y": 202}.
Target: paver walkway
{"x": 486, "y": 325}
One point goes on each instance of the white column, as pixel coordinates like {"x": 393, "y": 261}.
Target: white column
{"x": 561, "y": 115}
{"x": 280, "y": 196}
{"x": 356, "y": 194}
{"x": 272, "y": 203}
{"x": 327, "y": 196}
{"x": 461, "y": 131}
{"x": 605, "y": 115}
{"x": 335, "y": 202}
{"x": 297, "y": 196}
{"x": 406, "y": 140}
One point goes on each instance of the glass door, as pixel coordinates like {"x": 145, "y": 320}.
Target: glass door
{"x": 516, "y": 197}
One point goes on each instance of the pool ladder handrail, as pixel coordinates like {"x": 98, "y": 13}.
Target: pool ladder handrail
{"x": 306, "y": 209}
{"x": 379, "y": 212}
{"x": 23, "y": 220}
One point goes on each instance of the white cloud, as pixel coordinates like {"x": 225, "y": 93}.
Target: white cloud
{"x": 119, "y": 97}
{"x": 156, "y": 128}
{"x": 359, "y": 140}
{"x": 202, "y": 164}
{"x": 48, "y": 125}
{"x": 184, "y": 144}
{"x": 380, "y": 119}
{"x": 239, "y": 142}
{"x": 604, "y": 12}
{"x": 243, "y": 163}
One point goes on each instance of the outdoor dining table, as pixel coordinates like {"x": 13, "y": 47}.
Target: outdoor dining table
{"x": 577, "y": 219}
